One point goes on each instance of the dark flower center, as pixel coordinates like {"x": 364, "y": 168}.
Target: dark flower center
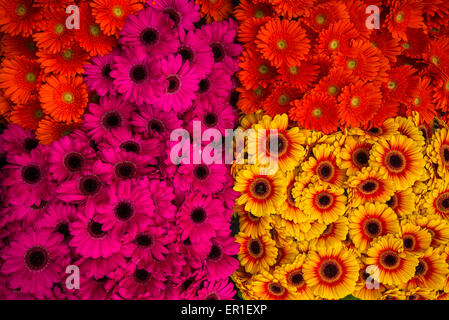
{"x": 89, "y": 185}
{"x": 325, "y": 170}
{"x": 330, "y": 271}
{"x": 106, "y": 72}
{"x": 141, "y": 275}
{"x": 174, "y": 16}
{"x": 390, "y": 259}
{"x": 212, "y": 296}
{"x": 155, "y": 125}
{"x": 421, "y": 268}
{"x": 112, "y": 120}
{"x": 130, "y": 146}
{"x": 149, "y": 36}
{"x": 138, "y": 74}
{"x": 210, "y": 119}
{"x": 255, "y": 247}
{"x": 218, "y": 51}
{"x": 297, "y": 278}
{"x": 370, "y": 186}
{"x": 215, "y": 252}
{"x": 201, "y": 172}
{"x": 144, "y": 240}
{"x": 31, "y": 174}
{"x": 95, "y": 230}
{"x": 30, "y": 144}
{"x": 375, "y": 131}
{"x": 361, "y": 157}
{"x": 173, "y": 84}
{"x": 373, "y": 228}
{"x": 36, "y": 258}
{"x": 125, "y": 170}
{"x": 204, "y": 86}
{"x": 445, "y": 154}
{"x": 276, "y": 288}
{"x": 324, "y": 200}
{"x": 63, "y": 228}
{"x": 124, "y": 210}
{"x": 395, "y": 161}
{"x": 186, "y": 53}
{"x": 198, "y": 215}
{"x": 409, "y": 242}
{"x": 74, "y": 161}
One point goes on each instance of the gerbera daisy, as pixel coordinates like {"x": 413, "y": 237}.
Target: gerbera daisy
{"x": 324, "y": 203}
{"x": 438, "y": 150}
{"x": 19, "y": 17}
{"x": 215, "y": 10}
{"x": 27, "y": 115}
{"x": 403, "y": 15}
{"x": 422, "y": 100}
{"x": 221, "y": 290}
{"x": 280, "y": 100}
{"x": 215, "y": 87}
{"x": 250, "y": 100}
{"x": 139, "y": 282}
{"x": 437, "y": 226}
{"x": 441, "y": 95}
{"x": 431, "y": 271}
{"x": 332, "y": 236}
{"x": 370, "y": 221}
{"x": 195, "y": 49}
{"x": 137, "y": 77}
{"x": 368, "y": 288}
{"x": 369, "y": 185}
{"x": 324, "y": 14}
{"x": 90, "y": 36}
{"x": 154, "y": 123}
{"x": 417, "y": 43}
{"x": 255, "y": 70}
{"x": 294, "y": 276}
{"x": 337, "y": 37}
{"x": 221, "y": 117}
{"x": 248, "y": 30}
{"x": 34, "y": 261}
{"x": 220, "y": 263}
{"x": 64, "y": 98}
{"x": 316, "y": 112}
{"x": 323, "y": 164}
{"x": 354, "y": 155}
{"x": 252, "y": 225}
{"x": 98, "y": 74}
{"x": 256, "y": 254}
{"x": 358, "y": 103}
{"x": 183, "y": 13}
{"x": 293, "y": 9}
{"x": 67, "y": 62}
{"x": 150, "y": 32}
{"x": 181, "y": 83}
{"x": 18, "y": 46}
{"x": 437, "y": 200}
{"x": 337, "y": 79}
{"x": 387, "y": 44}
{"x": 395, "y": 265}
{"x": 112, "y": 14}
{"x": 50, "y": 130}
{"x": 202, "y": 178}
{"x": 331, "y": 273}
{"x": 372, "y": 135}
{"x": 407, "y": 127}
{"x": 283, "y": 42}
{"x": 57, "y": 218}
{"x": 271, "y": 287}
{"x": 415, "y": 239}
{"x": 301, "y": 76}
{"x": 289, "y": 210}
{"x": 288, "y": 150}
{"x": 402, "y": 159}
{"x": 19, "y": 77}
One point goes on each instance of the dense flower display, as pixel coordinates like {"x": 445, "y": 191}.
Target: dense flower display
{"x": 106, "y": 197}
{"x": 320, "y": 63}
{"x": 360, "y": 212}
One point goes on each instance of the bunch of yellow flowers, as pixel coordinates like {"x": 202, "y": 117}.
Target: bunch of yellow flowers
{"x": 358, "y": 212}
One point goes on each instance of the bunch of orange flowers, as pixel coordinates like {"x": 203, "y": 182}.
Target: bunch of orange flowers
{"x": 42, "y": 59}
{"x": 326, "y": 65}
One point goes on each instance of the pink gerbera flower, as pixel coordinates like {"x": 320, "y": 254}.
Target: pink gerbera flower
{"x": 183, "y": 13}
{"x": 195, "y": 252}
{"x": 155, "y": 123}
{"x": 220, "y": 263}
{"x": 16, "y": 140}
{"x": 216, "y": 290}
{"x": 111, "y": 114}
{"x": 220, "y": 36}
{"x": 57, "y": 218}
{"x": 195, "y": 49}
{"x": 28, "y": 215}
{"x": 98, "y": 74}
{"x": 150, "y": 32}
{"x": 220, "y": 117}
{"x": 68, "y": 157}
{"x": 215, "y": 87}
{"x": 90, "y": 239}
{"x": 199, "y": 218}
{"x": 129, "y": 209}
{"x": 227, "y": 194}
{"x": 181, "y": 85}
{"x": 101, "y": 268}
{"x": 27, "y": 178}
{"x": 87, "y": 188}
{"x": 34, "y": 261}
{"x": 162, "y": 196}
{"x": 137, "y": 77}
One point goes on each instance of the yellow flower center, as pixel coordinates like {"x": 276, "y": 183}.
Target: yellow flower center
{"x": 320, "y": 19}
{"x": 334, "y": 44}
{"x": 406, "y": 45}
{"x": 293, "y": 70}
{"x": 317, "y": 112}
{"x": 417, "y": 101}
{"x": 67, "y": 54}
{"x": 21, "y": 10}
{"x": 435, "y": 60}
{"x": 332, "y": 90}
{"x": 392, "y": 85}
{"x": 447, "y": 86}
{"x": 400, "y": 17}
{"x": 68, "y": 97}
{"x": 283, "y": 100}
{"x": 117, "y": 11}
{"x": 355, "y": 102}
{"x": 94, "y": 30}
{"x": 30, "y": 77}
{"x": 282, "y": 44}
{"x": 263, "y": 69}
{"x": 59, "y": 28}
{"x": 259, "y": 14}
{"x": 352, "y": 64}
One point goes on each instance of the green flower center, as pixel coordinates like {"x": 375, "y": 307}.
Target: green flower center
{"x": 352, "y": 64}
{"x": 332, "y": 90}
{"x": 334, "y": 44}
{"x": 263, "y": 69}
{"x": 67, "y": 54}
{"x": 283, "y": 100}
{"x": 447, "y": 86}
{"x": 317, "y": 112}
{"x": 21, "y": 10}
{"x": 293, "y": 70}
{"x": 259, "y": 14}
{"x": 59, "y": 28}
{"x": 282, "y": 44}
{"x": 392, "y": 85}
{"x": 258, "y": 92}
{"x": 320, "y": 19}
{"x": 117, "y": 11}
{"x": 38, "y": 114}
{"x": 355, "y": 102}
{"x": 406, "y": 45}
{"x": 417, "y": 101}
{"x": 30, "y": 77}
{"x": 68, "y": 97}
{"x": 400, "y": 17}
{"x": 94, "y": 30}
{"x": 65, "y": 133}
{"x": 435, "y": 60}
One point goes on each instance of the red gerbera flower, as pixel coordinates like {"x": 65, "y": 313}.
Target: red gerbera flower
{"x": 68, "y": 62}
{"x": 401, "y": 83}
{"x": 301, "y": 76}
{"x": 337, "y": 79}
{"x": 327, "y": 13}
{"x": 280, "y": 100}
{"x": 293, "y": 8}
{"x": 248, "y": 10}
{"x": 18, "y": 46}
{"x": 337, "y": 37}
{"x": 422, "y": 101}
{"x": 19, "y": 17}
{"x": 403, "y": 15}
{"x": 255, "y": 70}
{"x": 27, "y": 115}
{"x": 389, "y": 47}
{"x": 250, "y": 100}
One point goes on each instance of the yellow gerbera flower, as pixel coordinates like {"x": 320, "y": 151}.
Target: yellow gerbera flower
{"x": 294, "y": 276}
{"x": 402, "y": 202}
{"x": 252, "y": 225}
{"x": 438, "y": 150}
{"x": 256, "y": 254}
{"x": 414, "y": 238}
{"x": 354, "y": 155}
{"x": 437, "y": 200}
{"x": 332, "y": 236}
{"x": 266, "y": 286}
{"x": 288, "y": 209}
{"x": 408, "y": 128}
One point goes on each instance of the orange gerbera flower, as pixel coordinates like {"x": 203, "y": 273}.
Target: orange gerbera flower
{"x": 248, "y": 29}
{"x": 337, "y": 79}
{"x": 422, "y": 101}
{"x": 337, "y": 37}
{"x": 384, "y": 42}
{"x": 50, "y": 130}
{"x": 247, "y": 10}
{"x": 5, "y": 105}
{"x": 358, "y": 103}
{"x": 414, "y": 238}
{"x": 64, "y": 98}
{"x": 19, "y": 77}
{"x": 327, "y": 13}
{"x": 283, "y": 42}
{"x": 90, "y": 36}
{"x": 18, "y": 46}
{"x": 27, "y": 115}
{"x": 293, "y": 8}
{"x": 19, "y": 17}
{"x": 280, "y": 100}
{"x": 388, "y": 109}
{"x": 54, "y": 35}
{"x": 255, "y": 70}
{"x": 250, "y": 100}
{"x": 215, "y": 10}
{"x": 437, "y": 54}
{"x": 316, "y": 111}
{"x": 441, "y": 94}
{"x": 358, "y": 15}
{"x": 301, "y": 76}
{"x": 112, "y": 14}
{"x": 362, "y": 60}
{"x": 417, "y": 43}
{"x": 403, "y": 15}
{"x": 402, "y": 202}
{"x": 400, "y": 84}
{"x": 68, "y": 62}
